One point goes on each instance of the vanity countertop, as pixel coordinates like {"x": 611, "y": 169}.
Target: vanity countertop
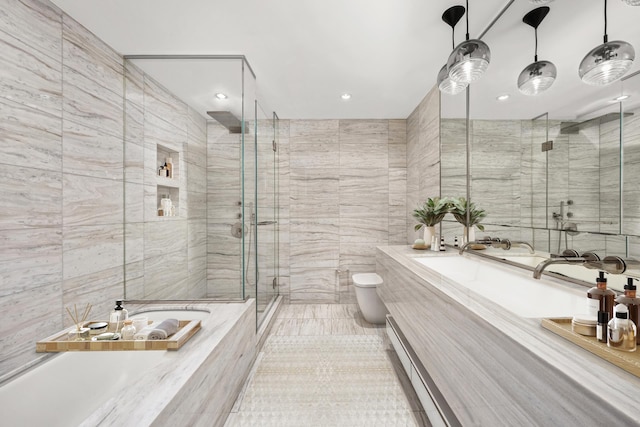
{"x": 562, "y": 361}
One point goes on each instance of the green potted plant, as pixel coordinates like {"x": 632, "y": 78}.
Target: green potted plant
{"x": 459, "y": 208}
{"x": 429, "y": 215}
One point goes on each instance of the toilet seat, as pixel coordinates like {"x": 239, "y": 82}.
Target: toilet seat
{"x": 366, "y": 280}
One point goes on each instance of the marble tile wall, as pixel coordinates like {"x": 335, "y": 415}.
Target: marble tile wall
{"x": 224, "y": 251}
{"x": 342, "y": 187}
{"x": 423, "y": 157}
{"x": 62, "y": 177}
{"x": 631, "y": 207}
{"x": 66, "y": 173}
{"x": 165, "y": 257}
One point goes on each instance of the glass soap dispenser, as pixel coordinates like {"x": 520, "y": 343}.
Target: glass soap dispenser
{"x": 621, "y": 330}
{"x": 601, "y": 298}
{"x": 632, "y": 302}
{"x": 118, "y": 315}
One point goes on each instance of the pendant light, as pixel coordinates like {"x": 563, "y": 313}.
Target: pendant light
{"x": 540, "y": 75}
{"x": 632, "y": 2}
{"x": 608, "y": 62}
{"x": 469, "y": 60}
{"x": 451, "y": 16}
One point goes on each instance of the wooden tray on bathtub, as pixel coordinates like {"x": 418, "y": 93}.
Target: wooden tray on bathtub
{"x": 58, "y": 342}
{"x": 629, "y": 361}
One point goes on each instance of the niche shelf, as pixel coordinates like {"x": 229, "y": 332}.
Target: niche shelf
{"x": 168, "y": 185}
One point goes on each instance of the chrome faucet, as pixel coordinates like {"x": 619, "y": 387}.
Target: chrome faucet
{"x": 507, "y": 244}
{"x": 610, "y": 264}
{"x": 484, "y": 241}
{"x": 496, "y": 242}
{"x": 567, "y": 257}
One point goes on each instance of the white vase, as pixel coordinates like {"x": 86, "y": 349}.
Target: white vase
{"x": 472, "y": 234}
{"x": 429, "y": 232}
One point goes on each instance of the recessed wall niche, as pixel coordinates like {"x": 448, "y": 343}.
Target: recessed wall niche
{"x": 167, "y": 181}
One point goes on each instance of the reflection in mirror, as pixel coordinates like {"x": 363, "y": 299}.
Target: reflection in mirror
{"x": 551, "y": 169}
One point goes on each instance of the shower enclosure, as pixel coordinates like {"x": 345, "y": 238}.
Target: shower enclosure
{"x": 201, "y": 181}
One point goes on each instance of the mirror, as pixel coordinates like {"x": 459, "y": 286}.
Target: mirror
{"x": 582, "y": 193}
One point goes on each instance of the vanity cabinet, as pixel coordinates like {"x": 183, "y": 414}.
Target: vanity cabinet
{"x": 488, "y": 367}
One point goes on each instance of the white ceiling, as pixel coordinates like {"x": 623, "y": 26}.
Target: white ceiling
{"x": 306, "y": 53}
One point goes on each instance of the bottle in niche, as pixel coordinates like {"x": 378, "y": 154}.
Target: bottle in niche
{"x": 166, "y": 205}
{"x": 118, "y": 315}
{"x": 601, "y": 298}
{"x": 455, "y": 242}
{"x": 442, "y": 247}
{"x": 168, "y": 165}
{"x": 632, "y": 302}
{"x": 621, "y": 331}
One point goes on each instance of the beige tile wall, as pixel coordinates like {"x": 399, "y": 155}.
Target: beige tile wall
{"x": 62, "y": 176}
{"x": 343, "y": 193}
{"x": 165, "y": 257}
{"x": 423, "y": 157}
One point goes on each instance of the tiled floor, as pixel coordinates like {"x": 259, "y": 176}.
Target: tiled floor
{"x": 323, "y": 365}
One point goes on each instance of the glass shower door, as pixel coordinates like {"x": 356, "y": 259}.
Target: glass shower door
{"x": 261, "y": 195}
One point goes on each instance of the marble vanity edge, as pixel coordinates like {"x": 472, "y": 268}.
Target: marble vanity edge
{"x": 140, "y": 404}
{"x": 585, "y": 369}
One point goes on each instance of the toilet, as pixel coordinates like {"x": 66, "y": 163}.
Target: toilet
{"x": 369, "y": 302}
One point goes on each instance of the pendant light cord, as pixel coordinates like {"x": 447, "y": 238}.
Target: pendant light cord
{"x": 535, "y": 56}
{"x": 467, "y": 19}
{"x": 606, "y": 37}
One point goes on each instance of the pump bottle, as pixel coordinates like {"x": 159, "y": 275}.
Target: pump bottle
{"x": 118, "y": 315}
{"x": 601, "y": 298}
{"x": 632, "y": 302}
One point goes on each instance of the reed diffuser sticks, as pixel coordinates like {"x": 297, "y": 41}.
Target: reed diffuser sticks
{"x": 79, "y": 322}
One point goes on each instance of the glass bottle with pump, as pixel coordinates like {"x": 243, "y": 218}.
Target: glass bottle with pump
{"x": 601, "y": 298}
{"x": 118, "y": 315}
{"x": 632, "y": 302}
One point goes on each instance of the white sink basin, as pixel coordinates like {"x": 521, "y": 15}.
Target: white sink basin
{"x": 515, "y": 291}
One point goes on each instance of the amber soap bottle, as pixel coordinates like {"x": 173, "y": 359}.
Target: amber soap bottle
{"x": 632, "y": 302}
{"x": 601, "y": 298}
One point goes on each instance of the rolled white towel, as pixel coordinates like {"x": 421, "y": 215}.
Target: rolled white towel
{"x": 161, "y": 331}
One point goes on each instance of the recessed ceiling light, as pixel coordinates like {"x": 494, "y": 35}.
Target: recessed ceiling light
{"x": 621, "y": 98}
{"x": 502, "y": 97}
{"x": 220, "y": 95}
{"x": 346, "y": 96}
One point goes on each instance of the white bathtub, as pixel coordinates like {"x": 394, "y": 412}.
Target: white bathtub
{"x": 126, "y": 388}
{"x": 517, "y": 292}
{"x": 65, "y": 390}
{"x": 157, "y": 315}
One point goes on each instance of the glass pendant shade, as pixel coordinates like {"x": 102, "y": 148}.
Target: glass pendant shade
{"x": 540, "y": 1}
{"x": 468, "y": 61}
{"x": 632, "y": 2}
{"x": 537, "y": 77}
{"x": 448, "y": 86}
{"x": 606, "y": 63}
